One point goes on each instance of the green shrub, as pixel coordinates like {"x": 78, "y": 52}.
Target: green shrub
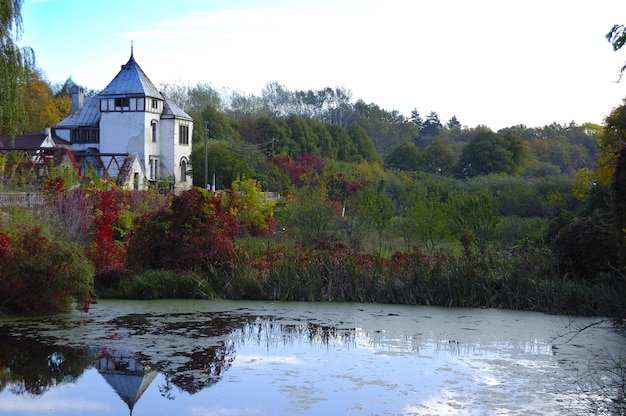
{"x": 513, "y": 229}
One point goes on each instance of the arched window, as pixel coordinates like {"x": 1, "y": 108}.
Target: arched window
{"x": 183, "y": 170}
{"x": 154, "y": 131}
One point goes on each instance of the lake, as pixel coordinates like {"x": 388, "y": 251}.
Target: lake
{"x": 231, "y": 358}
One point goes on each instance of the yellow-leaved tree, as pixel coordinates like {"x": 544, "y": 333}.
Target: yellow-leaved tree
{"x": 252, "y": 210}
{"x": 42, "y": 107}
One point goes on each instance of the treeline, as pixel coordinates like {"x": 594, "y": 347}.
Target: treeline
{"x": 328, "y": 124}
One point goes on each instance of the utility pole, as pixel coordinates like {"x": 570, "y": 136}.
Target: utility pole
{"x": 206, "y": 158}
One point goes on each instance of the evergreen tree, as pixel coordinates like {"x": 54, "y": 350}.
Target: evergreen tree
{"x": 431, "y": 126}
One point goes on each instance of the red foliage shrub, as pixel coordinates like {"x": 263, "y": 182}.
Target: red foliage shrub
{"x": 195, "y": 233}
{"x": 5, "y": 244}
{"x": 38, "y": 275}
{"x": 104, "y": 252}
{"x": 303, "y": 170}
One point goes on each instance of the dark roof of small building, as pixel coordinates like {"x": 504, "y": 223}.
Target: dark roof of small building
{"x": 25, "y": 141}
{"x": 131, "y": 80}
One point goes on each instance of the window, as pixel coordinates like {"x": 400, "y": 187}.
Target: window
{"x": 85, "y": 136}
{"x": 154, "y": 168}
{"x": 155, "y": 104}
{"x": 136, "y": 181}
{"x": 154, "y": 131}
{"x": 183, "y": 170}
{"x": 122, "y": 102}
{"x": 183, "y": 134}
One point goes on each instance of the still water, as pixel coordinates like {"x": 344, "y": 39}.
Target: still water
{"x": 226, "y": 358}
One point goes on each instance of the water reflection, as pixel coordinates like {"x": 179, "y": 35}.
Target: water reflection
{"x": 31, "y": 367}
{"x": 270, "y": 333}
{"x": 128, "y": 376}
{"x": 295, "y": 361}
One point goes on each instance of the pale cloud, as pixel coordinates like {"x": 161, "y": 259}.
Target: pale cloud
{"x": 48, "y": 405}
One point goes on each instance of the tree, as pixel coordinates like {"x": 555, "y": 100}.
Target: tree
{"x": 219, "y": 126}
{"x": 14, "y": 65}
{"x": 363, "y": 143}
{"x": 386, "y": 129}
{"x": 326, "y": 147}
{"x": 42, "y": 107}
{"x": 302, "y": 135}
{"x": 617, "y": 39}
{"x": 346, "y": 150}
{"x": 254, "y": 214}
{"x": 416, "y": 119}
{"x": 307, "y": 213}
{"x": 437, "y": 159}
{"x": 611, "y": 141}
{"x": 488, "y": 152}
{"x": 225, "y": 160}
{"x": 453, "y": 123}
{"x": 431, "y": 125}
{"x": 475, "y": 219}
{"x": 404, "y": 157}
{"x": 370, "y": 209}
{"x": 427, "y": 220}
{"x": 192, "y": 99}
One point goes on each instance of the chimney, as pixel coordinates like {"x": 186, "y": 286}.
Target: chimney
{"x": 78, "y": 95}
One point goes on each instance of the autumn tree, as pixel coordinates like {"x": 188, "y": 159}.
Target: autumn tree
{"x": 253, "y": 212}
{"x": 42, "y": 107}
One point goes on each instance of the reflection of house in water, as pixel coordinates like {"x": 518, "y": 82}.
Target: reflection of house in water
{"x": 128, "y": 377}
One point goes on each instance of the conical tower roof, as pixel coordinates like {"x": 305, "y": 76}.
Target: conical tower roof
{"x": 131, "y": 81}
{"x": 128, "y": 377}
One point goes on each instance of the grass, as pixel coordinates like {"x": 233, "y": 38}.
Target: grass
{"x": 524, "y": 277}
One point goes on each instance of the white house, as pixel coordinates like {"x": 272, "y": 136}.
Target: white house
{"x": 130, "y": 131}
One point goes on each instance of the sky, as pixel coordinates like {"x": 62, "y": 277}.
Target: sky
{"x": 486, "y": 62}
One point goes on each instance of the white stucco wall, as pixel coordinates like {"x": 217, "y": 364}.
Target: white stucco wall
{"x": 123, "y": 132}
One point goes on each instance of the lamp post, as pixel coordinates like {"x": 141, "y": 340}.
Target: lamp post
{"x": 206, "y": 159}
